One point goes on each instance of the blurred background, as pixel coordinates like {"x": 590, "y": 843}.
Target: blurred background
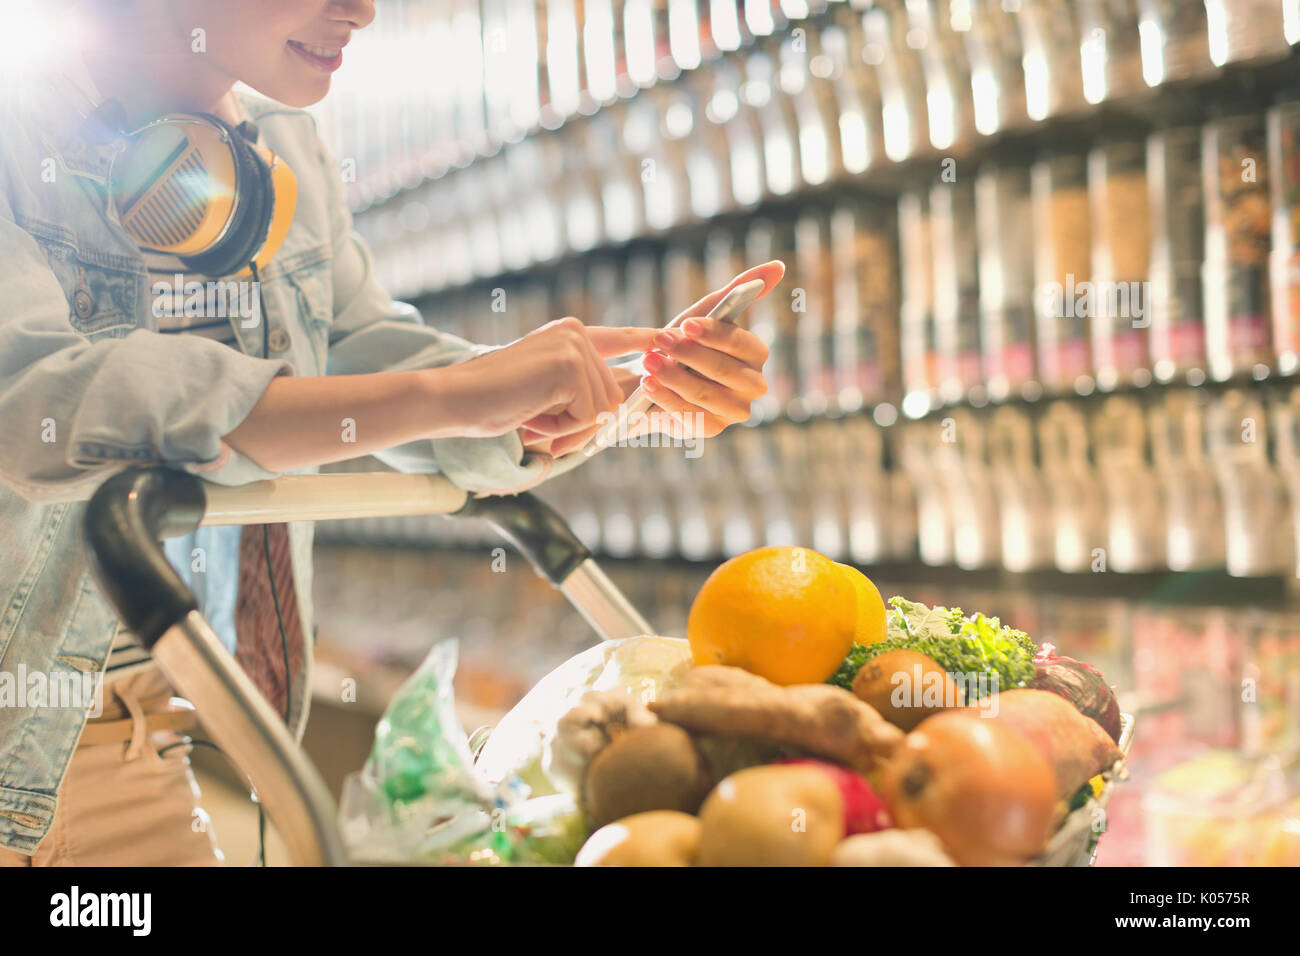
{"x": 1035, "y": 354}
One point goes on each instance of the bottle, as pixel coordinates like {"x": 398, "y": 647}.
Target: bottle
{"x": 1284, "y": 259}
{"x": 916, "y": 309}
{"x": 1135, "y": 508}
{"x": 1177, "y": 217}
{"x": 1077, "y": 504}
{"x": 1053, "y": 72}
{"x": 1234, "y": 165}
{"x": 1109, "y": 49}
{"x": 994, "y": 52}
{"x": 1006, "y": 282}
{"x": 864, "y": 264}
{"x": 1255, "y": 504}
{"x": 804, "y": 78}
{"x": 901, "y": 78}
{"x": 770, "y": 318}
{"x": 644, "y": 289}
{"x": 857, "y": 95}
{"x": 776, "y": 119}
{"x": 1193, "y": 510}
{"x": 956, "y": 293}
{"x": 683, "y": 275}
{"x": 1024, "y": 509}
{"x": 1174, "y": 41}
{"x": 813, "y": 307}
{"x": 730, "y": 109}
{"x": 1246, "y": 30}
{"x": 1117, "y": 193}
{"x": 946, "y": 69}
{"x": 1062, "y": 269}
{"x": 705, "y": 149}
{"x": 619, "y": 170}
{"x": 600, "y": 73}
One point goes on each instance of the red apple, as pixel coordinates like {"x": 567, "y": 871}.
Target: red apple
{"x": 864, "y": 810}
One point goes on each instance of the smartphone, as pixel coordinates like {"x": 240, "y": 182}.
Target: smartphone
{"x": 732, "y": 306}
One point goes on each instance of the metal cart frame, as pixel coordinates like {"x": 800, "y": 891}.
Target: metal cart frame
{"x": 132, "y": 512}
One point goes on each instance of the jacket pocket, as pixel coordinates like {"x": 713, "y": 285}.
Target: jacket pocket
{"x": 313, "y": 287}
{"x": 103, "y": 302}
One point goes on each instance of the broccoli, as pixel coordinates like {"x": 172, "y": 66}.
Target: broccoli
{"x": 960, "y": 645}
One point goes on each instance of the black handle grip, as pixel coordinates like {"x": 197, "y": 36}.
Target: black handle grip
{"x": 126, "y": 518}
{"x": 534, "y": 527}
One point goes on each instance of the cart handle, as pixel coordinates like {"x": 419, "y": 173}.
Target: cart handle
{"x": 130, "y": 513}
{"x": 133, "y": 510}
{"x": 527, "y": 522}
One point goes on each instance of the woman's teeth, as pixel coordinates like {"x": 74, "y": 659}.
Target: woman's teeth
{"x": 320, "y": 51}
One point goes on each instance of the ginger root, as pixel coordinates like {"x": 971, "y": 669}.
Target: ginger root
{"x": 820, "y": 719}
{"x": 598, "y": 718}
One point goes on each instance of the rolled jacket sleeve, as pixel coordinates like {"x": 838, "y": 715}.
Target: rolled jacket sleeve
{"x": 73, "y": 410}
{"x": 373, "y": 333}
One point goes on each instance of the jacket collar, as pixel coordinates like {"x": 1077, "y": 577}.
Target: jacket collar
{"x": 71, "y": 101}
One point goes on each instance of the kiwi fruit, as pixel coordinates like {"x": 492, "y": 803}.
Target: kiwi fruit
{"x": 647, "y": 768}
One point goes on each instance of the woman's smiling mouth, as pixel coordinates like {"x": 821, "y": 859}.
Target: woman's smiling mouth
{"x": 323, "y": 58}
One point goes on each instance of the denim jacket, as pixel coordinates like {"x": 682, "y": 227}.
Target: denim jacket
{"x": 87, "y": 386}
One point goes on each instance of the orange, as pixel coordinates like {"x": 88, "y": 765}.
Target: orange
{"x": 871, "y": 607}
{"x": 787, "y": 614}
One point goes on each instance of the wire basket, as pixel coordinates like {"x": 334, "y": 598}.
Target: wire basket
{"x": 1075, "y": 843}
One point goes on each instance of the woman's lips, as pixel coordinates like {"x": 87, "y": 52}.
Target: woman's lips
{"x": 325, "y": 59}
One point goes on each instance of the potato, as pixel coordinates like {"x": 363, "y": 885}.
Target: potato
{"x": 657, "y": 838}
{"x": 647, "y": 768}
{"x": 906, "y": 687}
{"x": 772, "y": 816}
{"x": 891, "y": 848}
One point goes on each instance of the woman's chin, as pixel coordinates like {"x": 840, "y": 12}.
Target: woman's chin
{"x": 300, "y": 94}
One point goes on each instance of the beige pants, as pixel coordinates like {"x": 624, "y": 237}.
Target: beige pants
{"x": 128, "y": 804}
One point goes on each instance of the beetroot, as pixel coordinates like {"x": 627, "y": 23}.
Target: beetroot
{"x": 1079, "y": 683}
{"x": 864, "y": 809}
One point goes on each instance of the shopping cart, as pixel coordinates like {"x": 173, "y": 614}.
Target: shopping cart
{"x": 131, "y": 513}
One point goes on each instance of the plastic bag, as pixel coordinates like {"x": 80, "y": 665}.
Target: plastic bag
{"x": 421, "y": 798}
{"x": 418, "y": 797}
{"x": 520, "y": 746}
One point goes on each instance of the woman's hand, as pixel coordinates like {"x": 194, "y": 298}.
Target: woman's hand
{"x": 706, "y": 373}
{"x": 552, "y": 384}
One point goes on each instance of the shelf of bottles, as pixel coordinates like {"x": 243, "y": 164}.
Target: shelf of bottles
{"x": 1042, "y": 308}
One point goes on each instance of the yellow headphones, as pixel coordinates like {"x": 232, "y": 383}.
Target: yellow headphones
{"x": 192, "y": 186}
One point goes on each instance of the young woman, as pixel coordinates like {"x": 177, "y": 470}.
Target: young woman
{"x": 102, "y": 366}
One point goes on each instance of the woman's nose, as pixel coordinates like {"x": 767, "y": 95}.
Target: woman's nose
{"x": 359, "y": 13}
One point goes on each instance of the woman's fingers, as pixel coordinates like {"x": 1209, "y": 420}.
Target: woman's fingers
{"x": 769, "y": 272}
{"x": 562, "y": 446}
{"x": 700, "y": 392}
{"x": 552, "y": 426}
{"x": 613, "y": 341}
{"x": 730, "y": 356}
{"x": 690, "y": 420}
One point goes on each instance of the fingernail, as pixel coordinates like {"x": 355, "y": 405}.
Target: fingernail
{"x": 649, "y": 383}
{"x": 666, "y": 340}
{"x": 653, "y": 361}
{"x": 692, "y": 328}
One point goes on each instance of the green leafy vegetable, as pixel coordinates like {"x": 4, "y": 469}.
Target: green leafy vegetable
{"x": 973, "y": 646}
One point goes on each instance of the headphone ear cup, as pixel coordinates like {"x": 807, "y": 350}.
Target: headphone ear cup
{"x": 251, "y": 219}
